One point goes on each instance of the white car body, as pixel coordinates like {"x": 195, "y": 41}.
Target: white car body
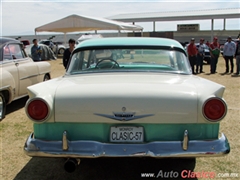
{"x": 127, "y": 97}
{"x": 17, "y": 72}
{"x": 88, "y": 36}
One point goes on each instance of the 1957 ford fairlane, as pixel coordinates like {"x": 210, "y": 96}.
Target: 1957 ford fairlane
{"x": 126, "y": 97}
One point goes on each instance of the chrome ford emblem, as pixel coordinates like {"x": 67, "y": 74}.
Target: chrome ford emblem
{"x": 124, "y": 116}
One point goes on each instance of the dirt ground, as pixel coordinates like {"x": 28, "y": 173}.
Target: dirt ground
{"x": 15, "y": 128}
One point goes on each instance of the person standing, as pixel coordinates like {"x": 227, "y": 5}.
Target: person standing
{"x": 67, "y": 52}
{"x": 237, "y": 56}
{"x": 192, "y": 54}
{"x": 36, "y": 51}
{"x": 229, "y": 50}
{"x": 200, "y": 56}
{"x": 214, "y": 51}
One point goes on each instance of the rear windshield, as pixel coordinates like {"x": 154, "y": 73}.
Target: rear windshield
{"x": 129, "y": 59}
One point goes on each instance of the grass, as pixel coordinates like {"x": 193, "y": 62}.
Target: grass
{"x": 16, "y": 127}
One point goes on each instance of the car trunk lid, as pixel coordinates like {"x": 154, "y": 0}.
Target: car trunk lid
{"x": 129, "y": 98}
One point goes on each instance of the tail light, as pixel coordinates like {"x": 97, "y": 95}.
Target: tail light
{"x": 214, "y": 109}
{"x": 37, "y": 110}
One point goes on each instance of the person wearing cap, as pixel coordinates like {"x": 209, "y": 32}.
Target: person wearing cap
{"x": 228, "y": 53}
{"x": 214, "y": 51}
{"x": 200, "y": 56}
{"x": 67, "y": 52}
{"x": 192, "y": 54}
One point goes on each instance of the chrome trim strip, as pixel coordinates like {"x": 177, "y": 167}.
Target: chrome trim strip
{"x": 157, "y": 149}
{"x": 29, "y": 76}
{"x": 124, "y": 116}
{"x": 42, "y": 73}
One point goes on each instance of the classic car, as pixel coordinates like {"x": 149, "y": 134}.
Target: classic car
{"x": 144, "y": 102}
{"x": 60, "y": 46}
{"x": 207, "y": 55}
{"x": 18, "y": 71}
{"x": 56, "y": 48}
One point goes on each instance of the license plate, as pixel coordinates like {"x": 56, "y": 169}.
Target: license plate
{"x": 126, "y": 134}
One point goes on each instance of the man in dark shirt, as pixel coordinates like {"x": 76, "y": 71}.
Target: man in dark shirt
{"x": 192, "y": 54}
{"x": 67, "y": 52}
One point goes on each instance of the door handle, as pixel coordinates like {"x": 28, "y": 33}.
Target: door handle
{"x": 16, "y": 64}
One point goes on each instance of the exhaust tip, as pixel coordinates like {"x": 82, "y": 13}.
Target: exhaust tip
{"x": 71, "y": 164}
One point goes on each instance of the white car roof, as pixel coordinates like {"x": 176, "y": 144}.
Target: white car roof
{"x": 89, "y": 36}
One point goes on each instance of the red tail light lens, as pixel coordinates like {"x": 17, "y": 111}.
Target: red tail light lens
{"x": 37, "y": 110}
{"x": 214, "y": 109}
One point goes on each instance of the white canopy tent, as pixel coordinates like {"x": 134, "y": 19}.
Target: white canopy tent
{"x": 74, "y": 23}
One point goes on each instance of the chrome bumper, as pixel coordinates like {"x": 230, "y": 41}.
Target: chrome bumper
{"x": 157, "y": 149}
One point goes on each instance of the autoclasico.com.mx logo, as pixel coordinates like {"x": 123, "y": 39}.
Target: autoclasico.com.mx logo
{"x": 188, "y": 174}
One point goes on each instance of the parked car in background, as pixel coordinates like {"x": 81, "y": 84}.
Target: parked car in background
{"x": 47, "y": 53}
{"x": 60, "y": 46}
{"x": 207, "y": 55}
{"x": 56, "y": 48}
{"x": 145, "y": 102}
{"x": 18, "y": 71}
{"x": 25, "y": 42}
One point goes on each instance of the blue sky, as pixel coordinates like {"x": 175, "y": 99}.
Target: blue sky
{"x": 21, "y": 17}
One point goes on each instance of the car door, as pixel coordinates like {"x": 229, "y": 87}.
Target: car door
{"x": 9, "y": 73}
{"x": 27, "y": 69}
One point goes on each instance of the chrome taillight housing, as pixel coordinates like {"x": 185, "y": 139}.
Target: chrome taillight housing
{"x": 37, "y": 110}
{"x": 214, "y": 109}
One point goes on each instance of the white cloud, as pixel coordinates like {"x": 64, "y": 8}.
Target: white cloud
{"x": 24, "y": 17}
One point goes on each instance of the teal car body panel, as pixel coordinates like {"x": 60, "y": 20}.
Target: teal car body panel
{"x": 101, "y": 131}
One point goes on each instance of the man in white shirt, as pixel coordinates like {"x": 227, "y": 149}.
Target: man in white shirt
{"x": 228, "y": 53}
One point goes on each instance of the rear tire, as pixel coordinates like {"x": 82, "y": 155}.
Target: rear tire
{"x": 2, "y": 106}
{"x": 61, "y": 51}
{"x": 46, "y": 77}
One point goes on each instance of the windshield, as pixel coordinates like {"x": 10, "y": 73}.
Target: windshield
{"x": 116, "y": 60}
